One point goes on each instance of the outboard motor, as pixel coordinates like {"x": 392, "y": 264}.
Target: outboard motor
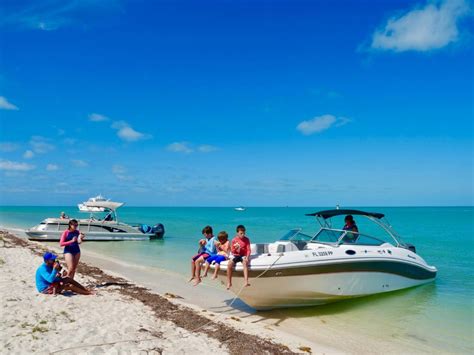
{"x": 158, "y": 230}
{"x": 410, "y": 247}
{"x": 145, "y": 228}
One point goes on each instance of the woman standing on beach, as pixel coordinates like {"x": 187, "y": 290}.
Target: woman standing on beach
{"x": 70, "y": 240}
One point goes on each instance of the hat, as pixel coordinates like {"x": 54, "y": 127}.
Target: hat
{"x": 49, "y": 256}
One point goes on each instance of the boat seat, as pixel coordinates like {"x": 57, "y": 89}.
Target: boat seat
{"x": 258, "y": 248}
{"x": 281, "y": 247}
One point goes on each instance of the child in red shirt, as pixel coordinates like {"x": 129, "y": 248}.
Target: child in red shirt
{"x": 240, "y": 250}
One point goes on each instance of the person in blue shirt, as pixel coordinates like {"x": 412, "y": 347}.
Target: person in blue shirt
{"x": 207, "y": 248}
{"x": 49, "y": 280}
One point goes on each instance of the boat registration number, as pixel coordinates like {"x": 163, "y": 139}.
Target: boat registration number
{"x": 322, "y": 253}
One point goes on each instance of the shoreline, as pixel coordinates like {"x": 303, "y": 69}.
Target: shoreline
{"x": 236, "y": 331}
{"x": 372, "y": 324}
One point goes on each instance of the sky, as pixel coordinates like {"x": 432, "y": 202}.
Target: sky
{"x": 228, "y": 103}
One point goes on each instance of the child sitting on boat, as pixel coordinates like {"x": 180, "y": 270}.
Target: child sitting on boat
{"x": 240, "y": 249}
{"x": 223, "y": 249}
{"x": 207, "y": 248}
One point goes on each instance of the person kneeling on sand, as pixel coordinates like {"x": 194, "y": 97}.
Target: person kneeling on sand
{"x": 207, "y": 248}
{"x": 240, "y": 248}
{"x": 223, "y": 249}
{"x": 49, "y": 280}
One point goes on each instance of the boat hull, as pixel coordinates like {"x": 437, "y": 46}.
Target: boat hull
{"x": 294, "y": 279}
{"x": 50, "y": 236}
{"x": 316, "y": 289}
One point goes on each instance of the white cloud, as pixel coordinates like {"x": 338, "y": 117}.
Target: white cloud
{"x": 424, "y": 28}
{"x": 28, "y": 154}
{"x": 179, "y": 147}
{"x": 127, "y": 133}
{"x": 15, "y": 166}
{"x": 50, "y": 15}
{"x": 41, "y": 145}
{"x": 69, "y": 141}
{"x": 206, "y": 148}
{"x": 52, "y": 167}
{"x": 187, "y": 147}
{"x": 79, "y": 163}
{"x": 341, "y": 121}
{"x": 6, "y": 105}
{"x": 121, "y": 177}
{"x": 118, "y": 169}
{"x": 321, "y": 123}
{"x": 8, "y": 147}
{"x": 120, "y": 173}
{"x": 97, "y": 117}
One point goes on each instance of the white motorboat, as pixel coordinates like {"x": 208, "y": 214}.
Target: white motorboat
{"x": 95, "y": 227}
{"x": 334, "y": 264}
{"x": 240, "y": 208}
{"x": 88, "y": 206}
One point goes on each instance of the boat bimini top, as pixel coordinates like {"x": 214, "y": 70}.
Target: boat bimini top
{"x": 330, "y": 235}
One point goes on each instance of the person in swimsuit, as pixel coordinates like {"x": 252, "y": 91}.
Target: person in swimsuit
{"x": 350, "y": 226}
{"x": 70, "y": 240}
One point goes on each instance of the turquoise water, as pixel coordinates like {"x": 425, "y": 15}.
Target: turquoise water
{"x": 440, "y": 313}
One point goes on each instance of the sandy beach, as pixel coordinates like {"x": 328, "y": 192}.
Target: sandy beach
{"x": 121, "y": 317}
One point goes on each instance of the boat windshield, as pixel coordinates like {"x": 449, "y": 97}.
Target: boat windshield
{"x": 338, "y": 236}
{"x": 295, "y": 234}
{"x": 297, "y": 237}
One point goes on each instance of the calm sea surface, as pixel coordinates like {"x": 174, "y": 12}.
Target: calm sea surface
{"x": 440, "y": 313}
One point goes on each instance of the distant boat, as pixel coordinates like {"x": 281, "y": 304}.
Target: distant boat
{"x": 240, "y": 208}
{"x": 96, "y": 227}
{"x": 88, "y": 206}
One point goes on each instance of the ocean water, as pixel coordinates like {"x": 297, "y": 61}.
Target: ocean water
{"x": 438, "y": 316}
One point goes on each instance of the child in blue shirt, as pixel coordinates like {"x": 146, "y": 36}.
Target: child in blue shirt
{"x": 207, "y": 248}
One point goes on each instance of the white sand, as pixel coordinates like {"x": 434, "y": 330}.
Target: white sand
{"x": 32, "y": 322}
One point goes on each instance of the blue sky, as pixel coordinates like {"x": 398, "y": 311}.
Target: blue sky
{"x": 223, "y": 103}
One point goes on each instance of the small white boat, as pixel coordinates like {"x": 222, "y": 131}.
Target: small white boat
{"x": 97, "y": 228}
{"x": 240, "y": 208}
{"x": 302, "y": 270}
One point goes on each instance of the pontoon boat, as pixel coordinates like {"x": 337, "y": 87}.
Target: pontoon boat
{"x": 107, "y": 228}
